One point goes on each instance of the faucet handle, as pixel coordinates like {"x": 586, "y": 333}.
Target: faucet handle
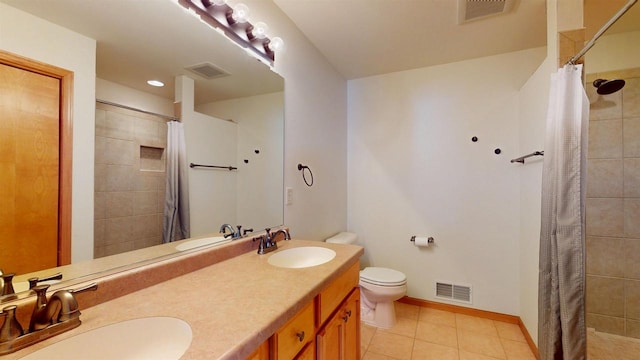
{"x": 7, "y": 280}
{"x": 245, "y": 231}
{"x": 35, "y": 280}
{"x": 11, "y": 328}
{"x": 90, "y": 287}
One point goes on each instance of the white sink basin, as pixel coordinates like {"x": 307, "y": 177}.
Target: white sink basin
{"x": 192, "y": 244}
{"x": 301, "y": 257}
{"x": 144, "y": 338}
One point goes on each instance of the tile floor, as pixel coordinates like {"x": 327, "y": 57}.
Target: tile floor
{"x": 425, "y": 333}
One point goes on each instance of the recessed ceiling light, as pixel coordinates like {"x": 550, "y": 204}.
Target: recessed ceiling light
{"x": 156, "y": 83}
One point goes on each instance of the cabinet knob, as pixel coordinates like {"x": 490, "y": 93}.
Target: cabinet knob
{"x": 349, "y": 313}
{"x": 300, "y": 335}
{"x": 345, "y": 318}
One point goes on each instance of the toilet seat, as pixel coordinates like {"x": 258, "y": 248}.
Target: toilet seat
{"x": 382, "y": 276}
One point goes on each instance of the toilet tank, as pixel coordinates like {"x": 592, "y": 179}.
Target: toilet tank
{"x": 343, "y": 238}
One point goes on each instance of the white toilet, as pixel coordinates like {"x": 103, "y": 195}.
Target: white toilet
{"x": 379, "y": 288}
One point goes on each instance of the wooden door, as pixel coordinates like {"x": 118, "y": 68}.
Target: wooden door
{"x": 34, "y": 173}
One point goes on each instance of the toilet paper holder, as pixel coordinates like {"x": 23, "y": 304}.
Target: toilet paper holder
{"x": 430, "y": 239}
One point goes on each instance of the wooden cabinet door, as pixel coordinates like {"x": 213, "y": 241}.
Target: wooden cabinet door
{"x": 352, "y": 326}
{"x": 29, "y": 168}
{"x": 330, "y": 340}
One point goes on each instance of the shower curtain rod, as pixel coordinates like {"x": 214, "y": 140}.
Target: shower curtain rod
{"x": 172, "y": 118}
{"x": 604, "y": 28}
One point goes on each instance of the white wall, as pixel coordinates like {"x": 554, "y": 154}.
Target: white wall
{"x": 315, "y": 129}
{"x": 210, "y": 141}
{"x": 123, "y": 95}
{"x": 614, "y": 52}
{"x": 260, "y": 126}
{"x": 413, "y": 170}
{"x": 533, "y": 100}
{"x": 34, "y": 38}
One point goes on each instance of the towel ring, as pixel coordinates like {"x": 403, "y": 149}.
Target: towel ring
{"x": 304, "y": 177}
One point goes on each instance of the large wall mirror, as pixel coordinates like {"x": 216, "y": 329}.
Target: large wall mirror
{"x": 234, "y": 117}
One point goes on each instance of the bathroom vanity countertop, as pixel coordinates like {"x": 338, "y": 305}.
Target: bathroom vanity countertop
{"x": 232, "y": 306}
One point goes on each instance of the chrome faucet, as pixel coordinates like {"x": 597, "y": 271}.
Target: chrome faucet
{"x": 49, "y": 318}
{"x": 234, "y": 234}
{"x": 267, "y": 242}
{"x": 223, "y": 230}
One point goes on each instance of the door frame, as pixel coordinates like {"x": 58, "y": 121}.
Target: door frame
{"x": 66, "y": 143}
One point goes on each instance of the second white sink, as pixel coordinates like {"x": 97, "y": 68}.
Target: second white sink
{"x": 144, "y": 338}
{"x": 301, "y": 257}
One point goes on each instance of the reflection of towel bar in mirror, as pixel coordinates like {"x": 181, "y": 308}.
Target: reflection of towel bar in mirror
{"x": 192, "y": 165}
{"x": 521, "y": 158}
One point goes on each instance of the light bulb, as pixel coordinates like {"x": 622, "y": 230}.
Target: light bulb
{"x": 276, "y": 44}
{"x": 219, "y": 2}
{"x": 260, "y": 30}
{"x": 156, "y": 83}
{"x": 240, "y": 13}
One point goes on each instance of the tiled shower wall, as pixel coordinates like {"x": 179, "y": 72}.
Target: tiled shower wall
{"x": 129, "y": 180}
{"x": 613, "y": 207}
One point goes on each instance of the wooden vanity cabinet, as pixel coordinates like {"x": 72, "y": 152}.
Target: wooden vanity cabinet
{"x": 339, "y": 339}
{"x": 330, "y": 324}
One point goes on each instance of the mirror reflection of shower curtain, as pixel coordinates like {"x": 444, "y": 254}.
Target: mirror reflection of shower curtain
{"x": 561, "y": 297}
{"x": 175, "y": 224}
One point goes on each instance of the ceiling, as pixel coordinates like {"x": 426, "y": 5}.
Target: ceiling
{"x": 368, "y": 37}
{"x": 156, "y": 39}
{"x": 598, "y": 12}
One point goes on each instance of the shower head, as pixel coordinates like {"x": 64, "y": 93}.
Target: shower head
{"x": 606, "y": 87}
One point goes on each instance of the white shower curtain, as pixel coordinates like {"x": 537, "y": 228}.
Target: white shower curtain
{"x": 175, "y": 225}
{"x": 561, "y": 310}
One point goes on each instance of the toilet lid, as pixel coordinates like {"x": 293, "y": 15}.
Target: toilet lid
{"x": 382, "y": 276}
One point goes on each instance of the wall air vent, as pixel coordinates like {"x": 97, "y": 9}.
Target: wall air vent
{"x": 207, "y": 70}
{"x": 456, "y": 292}
{"x": 469, "y": 10}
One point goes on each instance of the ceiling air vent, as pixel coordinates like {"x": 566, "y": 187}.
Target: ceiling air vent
{"x": 457, "y": 292}
{"x": 469, "y": 10}
{"x": 207, "y": 70}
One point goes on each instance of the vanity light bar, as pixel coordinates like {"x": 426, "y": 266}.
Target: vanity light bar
{"x": 220, "y": 15}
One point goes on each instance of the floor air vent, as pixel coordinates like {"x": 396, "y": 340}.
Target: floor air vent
{"x": 455, "y": 292}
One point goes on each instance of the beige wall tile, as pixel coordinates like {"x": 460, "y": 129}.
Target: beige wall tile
{"x": 118, "y": 152}
{"x": 631, "y": 137}
{"x": 603, "y": 107}
{"x": 146, "y": 226}
{"x": 605, "y": 139}
{"x": 146, "y": 182}
{"x": 100, "y": 177}
{"x": 632, "y": 259}
{"x": 119, "y": 204}
{"x": 99, "y": 231}
{"x": 633, "y": 329}
{"x": 114, "y": 125}
{"x": 118, "y": 248}
{"x": 607, "y": 324}
{"x": 147, "y": 132}
{"x": 145, "y": 202}
{"x": 632, "y": 217}
{"x": 604, "y": 178}
{"x": 605, "y": 217}
{"x": 631, "y": 177}
{"x": 119, "y": 230}
{"x": 632, "y": 299}
{"x": 605, "y": 296}
{"x": 119, "y": 178}
{"x": 605, "y": 256}
{"x": 631, "y": 98}
{"x": 100, "y": 205}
